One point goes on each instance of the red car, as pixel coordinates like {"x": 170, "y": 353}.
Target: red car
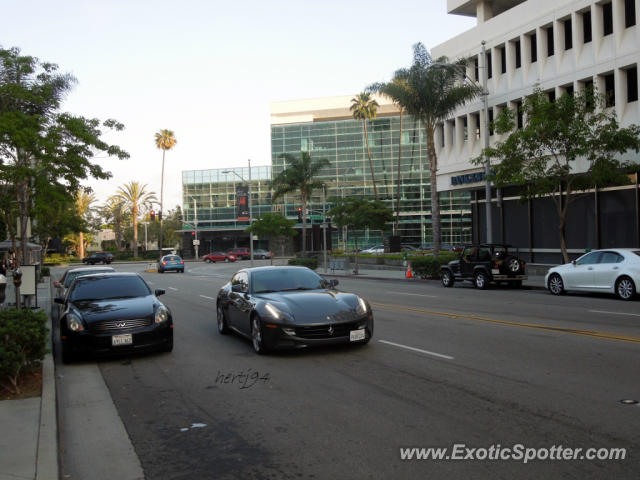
{"x": 214, "y": 257}
{"x": 240, "y": 252}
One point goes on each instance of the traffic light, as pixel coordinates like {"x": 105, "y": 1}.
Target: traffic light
{"x": 193, "y": 234}
{"x": 160, "y": 216}
{"x": 299, "y": 214}
{"x": 152, "y": 214}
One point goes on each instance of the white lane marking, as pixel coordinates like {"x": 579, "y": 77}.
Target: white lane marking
{"x": 151, "y": 283}
{"x": 414, "y": 294}
{"x": 447, "y": 357}
{"x": 171, "y": 288}
{"x": 208, "y": 298}
{"x": 616, "y": 313}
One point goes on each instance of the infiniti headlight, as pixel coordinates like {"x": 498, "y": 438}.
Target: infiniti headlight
{"x": 162, "y": 314}
{"x": 74, "y": 323}
{"x": 361, "y": 309}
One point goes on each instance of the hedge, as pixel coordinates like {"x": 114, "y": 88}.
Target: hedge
{"x": 23, "y": 344}
{"x": 311, "y": 263}
{"x": 429, "y": 266}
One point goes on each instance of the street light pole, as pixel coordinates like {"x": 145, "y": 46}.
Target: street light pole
{"x": 195, "y": 224}
{"x": 324, "y": 226}
{"x": 487, "y": 165}
{"x": 250, "y": 216}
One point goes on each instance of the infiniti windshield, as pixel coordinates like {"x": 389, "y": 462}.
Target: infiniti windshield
{"x": 283, "y": 279}
{"x": 101, "y": 288}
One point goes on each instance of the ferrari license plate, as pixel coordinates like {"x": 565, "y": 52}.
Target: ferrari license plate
{"x": 356, "y": 335}
{"x": 126, "y": 339}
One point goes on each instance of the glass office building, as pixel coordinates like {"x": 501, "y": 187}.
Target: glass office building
{"x": 326, "y": 129}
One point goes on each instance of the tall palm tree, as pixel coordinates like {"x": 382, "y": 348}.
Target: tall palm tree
{"x": 299, "y": 176}
{"x": 437, "y": 90}
{"x": 134, "y": 196}
{"x": 83, "y": 201}
{"x": 364, "y": 108}
{"x": 165, "y": 140}
{"x": 399, "y": 92}
{"x": 114, "y": 212}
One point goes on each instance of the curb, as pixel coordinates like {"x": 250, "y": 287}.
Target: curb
{"x": 47, "y": 448}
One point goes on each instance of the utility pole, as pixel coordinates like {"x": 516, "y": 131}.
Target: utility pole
{"x": 487, "y": 165}
{"x": 146, "y": 246}
{"x": 250, "y": 216}
{"x": 324, "y": 226}
{"x": 196, "y": 242}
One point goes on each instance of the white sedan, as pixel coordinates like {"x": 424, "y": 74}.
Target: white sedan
{"x": 609, "y": 271}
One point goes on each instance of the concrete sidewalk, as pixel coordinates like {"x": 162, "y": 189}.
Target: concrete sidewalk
{"x": 533, "y": 281}
{"x": 29, "y": 443}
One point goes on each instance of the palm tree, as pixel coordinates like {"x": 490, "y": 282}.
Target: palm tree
{"x": 83, "y": 201}
{"x": 365, "y": 108}
{"x": 165, "y": 140}
{"x": 437, "y": 90}
{"x": 134, "y": 197}
{"x": 399, "y": 92}
{"x": 299, "y": 176}
{"x": 114, "y": 212}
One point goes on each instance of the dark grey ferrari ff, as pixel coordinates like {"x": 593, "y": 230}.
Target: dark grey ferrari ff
{"x": 289, "y": 307}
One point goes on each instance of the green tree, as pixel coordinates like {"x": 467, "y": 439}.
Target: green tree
{"x": 299, "y": 176}
{"x": 399, "y": 92}
{"x": 359, "y": 213}
{"x": 543, "y": 156}
{"x": 437, "y": 90}
{"x": 273, "y": 225}
{"x": 364, "y": 108}
{"x": 135, "y": 198}
{"x": 165, "y": 140}
{"x": 37, "y": 140}
{"x": 83, "y": 201}
{"x": 115, "y": 215}
{"x": 172, "y": 228}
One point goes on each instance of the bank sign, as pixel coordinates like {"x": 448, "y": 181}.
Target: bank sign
{"x": 467, "y": 178}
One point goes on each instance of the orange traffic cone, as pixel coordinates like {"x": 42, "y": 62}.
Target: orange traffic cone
{"x": 409, "y": 271}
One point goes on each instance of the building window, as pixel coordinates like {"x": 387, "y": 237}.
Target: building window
{"x": 551, "y": 95}
{"x": 586, "y": 27}
{"x": 465, "y": 130}
{"x": 550, "y": 41}
{"x": 476, "y": 73}
{"x": 568, "y": 89}
{"x": 519, "y": 115}
{"x": 632, "y": 84}
{"x": 503, "y": 60}
{"x": 488, "y": 65}
{"x": 476, "y": 119}
{"x": 490, "y": 121}
{"x": 629, "y": 13}
{"x": 442, "y": 127}
{"x": 607, "y": 19}
{"x": 534, "y": 48}
{"x": 609, "y": 90}
{"x": 587, "y": 85}
{"x": 568, "y": 39}
{"x": 518, "y": 54}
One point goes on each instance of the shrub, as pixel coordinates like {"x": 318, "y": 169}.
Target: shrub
{"x": 44, "y": 271}
{"x": 429, "y": 266}
{"x": 311, "y": 263}
{"x": 23, "y": 343}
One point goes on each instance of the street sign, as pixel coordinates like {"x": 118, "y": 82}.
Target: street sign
{"x": 196, "y": 243}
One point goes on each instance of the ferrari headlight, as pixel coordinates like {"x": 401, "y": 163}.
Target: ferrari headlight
{"x": 162, "y": 314}
{"x": 74, "y": 323}
{"x": 273, "y": 311}
{"x": 362, "y": 307}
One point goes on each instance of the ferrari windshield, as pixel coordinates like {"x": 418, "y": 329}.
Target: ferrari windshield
{"x": 285, "y": 279}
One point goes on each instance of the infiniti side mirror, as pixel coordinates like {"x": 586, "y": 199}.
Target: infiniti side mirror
{"x": 333, "y": 282}
{"x": 159, "y": 291}
{"x": 237, "y": 288}
{"x": 573, "y": 262}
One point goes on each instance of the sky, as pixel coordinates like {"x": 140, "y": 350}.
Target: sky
{"x": 208, "y": 70}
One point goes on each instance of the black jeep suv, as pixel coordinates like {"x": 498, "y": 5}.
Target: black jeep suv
{"x": 99, "y": 257}
{"x": 485, "y": 263}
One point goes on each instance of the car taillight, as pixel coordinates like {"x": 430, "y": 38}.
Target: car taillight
{"x": 164, "y": 263}
{"x": 181, "y": 262}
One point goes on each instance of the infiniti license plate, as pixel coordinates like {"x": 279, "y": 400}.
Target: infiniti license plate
{"x": 126, "y": 339}
{"x": 356, "y": 335}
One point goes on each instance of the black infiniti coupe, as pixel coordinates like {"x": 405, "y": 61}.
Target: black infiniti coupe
{"x": 279, "y": 307}
{"x": 113, "y": 313}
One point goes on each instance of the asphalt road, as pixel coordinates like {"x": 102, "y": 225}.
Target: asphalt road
{"x": 445, "y": 367}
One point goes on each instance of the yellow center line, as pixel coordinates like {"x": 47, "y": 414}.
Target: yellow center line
{"x": 550, "y": 328}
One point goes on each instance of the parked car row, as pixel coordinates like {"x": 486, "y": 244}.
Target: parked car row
{"x": 615, "y": 271}
{"x": 236, "y": 254}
